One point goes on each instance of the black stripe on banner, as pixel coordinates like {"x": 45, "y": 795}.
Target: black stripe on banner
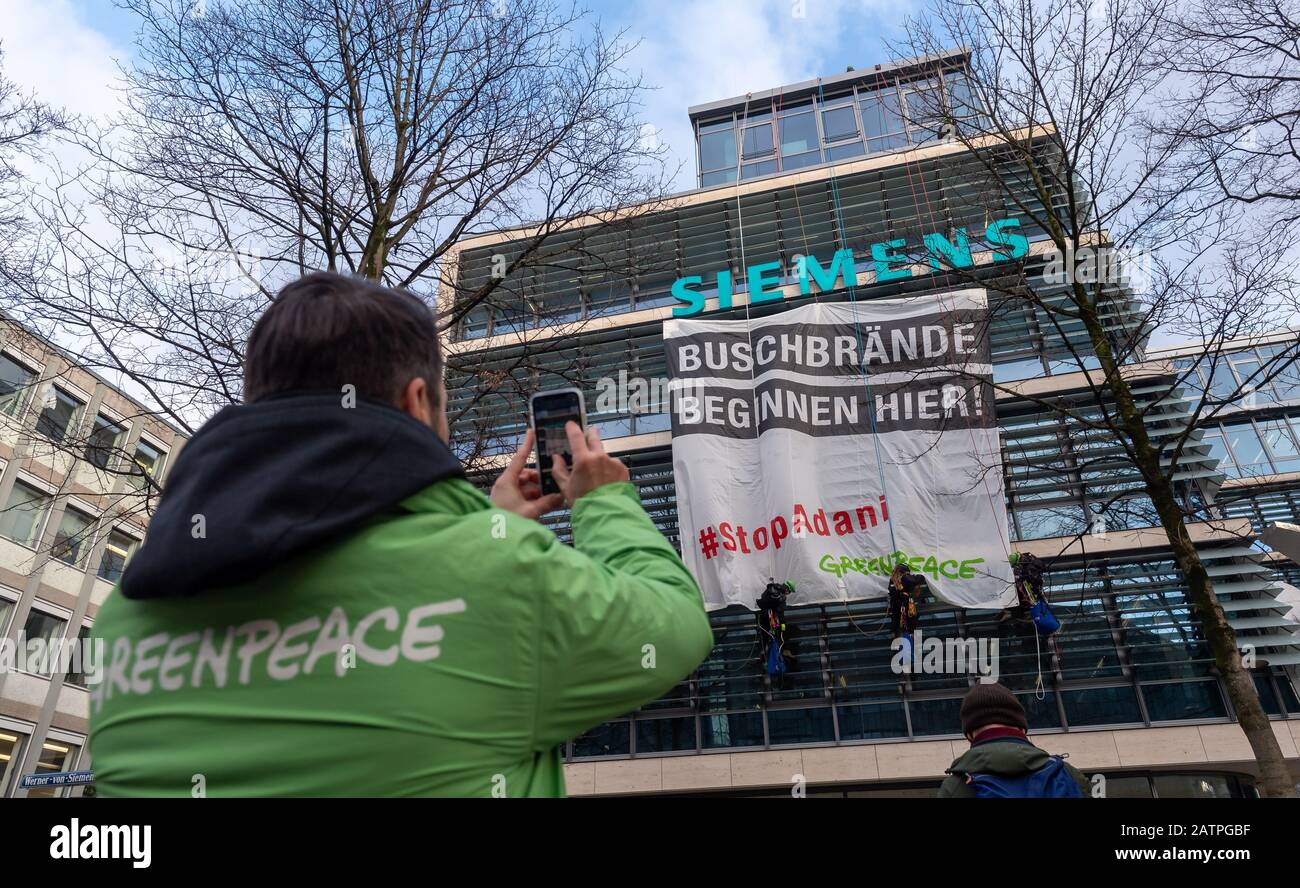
{"x": 907, "y": 344}
{"x": 935, "y": 404}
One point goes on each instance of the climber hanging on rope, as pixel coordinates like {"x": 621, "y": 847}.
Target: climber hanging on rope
{"x": 905, "y": 588}
{"x": 1031, "y": 594}
{"x": 778, "y": 653}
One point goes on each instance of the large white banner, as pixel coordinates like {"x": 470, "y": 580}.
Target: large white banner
{"x": 825, "y": 444}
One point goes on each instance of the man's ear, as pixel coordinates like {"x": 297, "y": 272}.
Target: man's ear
{"x": 416, "y": 401}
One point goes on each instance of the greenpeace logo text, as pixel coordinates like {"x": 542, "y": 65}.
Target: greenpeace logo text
{"x": 229, "y": 655}
{"x": 102, "y": 842}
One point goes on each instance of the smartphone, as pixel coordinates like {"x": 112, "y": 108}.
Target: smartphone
{"x": 551, "y": 410}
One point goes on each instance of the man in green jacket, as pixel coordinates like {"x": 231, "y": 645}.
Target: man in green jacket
{"x": 325, "y": 606}
{"x": 994, "y": 722}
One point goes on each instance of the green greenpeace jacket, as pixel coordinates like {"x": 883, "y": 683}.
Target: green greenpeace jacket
{"x": 446, "y": 648}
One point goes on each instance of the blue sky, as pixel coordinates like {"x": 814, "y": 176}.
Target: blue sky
{"x": 693, "y": 52}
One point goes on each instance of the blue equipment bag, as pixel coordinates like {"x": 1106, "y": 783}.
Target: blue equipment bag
{"x": 1044, "y": 620}
{"x": 775, "y": 662}
{"x": 1052, "y": 781}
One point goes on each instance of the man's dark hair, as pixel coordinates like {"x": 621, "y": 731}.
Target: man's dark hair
{"x": 325, "y": 331}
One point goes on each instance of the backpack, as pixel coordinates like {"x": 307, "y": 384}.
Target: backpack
{"x": 1051, "y": 781}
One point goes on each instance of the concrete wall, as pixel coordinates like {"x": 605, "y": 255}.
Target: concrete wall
{"x": 1182, "y": 748}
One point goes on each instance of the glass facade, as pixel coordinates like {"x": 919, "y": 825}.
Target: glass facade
{"x": 1128, "y": 655}
{"x": 878, "y": 114}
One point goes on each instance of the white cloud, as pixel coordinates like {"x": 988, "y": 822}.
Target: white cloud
{"x": 51, "y": 51}
{"x": 697, "y": 52}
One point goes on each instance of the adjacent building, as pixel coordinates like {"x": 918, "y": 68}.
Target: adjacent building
{"x": 847, "y": 163}
{"x": 80, "y": 465}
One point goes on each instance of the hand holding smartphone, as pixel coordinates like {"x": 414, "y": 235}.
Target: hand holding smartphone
{"x": 584, "y": 464}
{"x": 551, "y": 411}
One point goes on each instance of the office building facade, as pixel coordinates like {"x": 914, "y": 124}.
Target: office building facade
{"x": 80, "y": 465}
{"x": 852, "y": 162}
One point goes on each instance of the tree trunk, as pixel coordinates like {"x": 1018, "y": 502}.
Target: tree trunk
{"x": 1275, "y": 780}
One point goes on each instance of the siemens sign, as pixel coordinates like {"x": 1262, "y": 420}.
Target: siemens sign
{"x": 889, "y": 261}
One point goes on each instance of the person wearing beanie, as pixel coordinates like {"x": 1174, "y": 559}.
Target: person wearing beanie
{"x": 994, "y": 722}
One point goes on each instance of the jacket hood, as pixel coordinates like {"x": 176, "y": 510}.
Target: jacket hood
{"x": 1004, "y": 756}
{"x": 265, "y": 481}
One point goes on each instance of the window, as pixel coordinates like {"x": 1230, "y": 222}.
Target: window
{"x": 798, "y": 134}
{"x": 925, "y": 116}
{"x": 845, "y": 150}
{"x": 476, "y": 323}
{"x": 15, "y": 383}
{"x": 611, "y": 738}
{"x": 74, "y": 537}
{"x": 1219, "y": 451}
{"x": 1128, "y": 788}
{"x": 1222, "y": 384}
{"x": 6, "y": 609}
{"x": 44, "y": 626}
{"x": 148, "y": 462}
{"x": 1247, "y": 450}
{"x": 1192, "y": 786}
{"x": 1183, "y": 700}
{"x": 1286, "y": 382}
{"x": 21, "y": 519}
{"x": 1022, "y": 369}
{"x": 758, "y": 141}
{"x": 58, "y": 417}
{"x": 718, "y": 151}
{"x": 960, "y": 98}
{"x": 1247, "y": 367}
{"x": 839, "y": 123}
{"x": 761, "y": 168}
{"x": 79, "y": 678}
{"x": 961, "y": 101}
{"x": 799, "y": 161}
{"x": 11, "y": 747}
{"x": 1066, "y": 519}
{"x": 116, "y": 552}
{"x": 104, "y": 439}
{"x": 1281, "y": 446}
{"x": 882, "y": 120}
{"x": 55, "y": 757}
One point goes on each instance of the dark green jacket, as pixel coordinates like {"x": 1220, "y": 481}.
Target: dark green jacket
{"x": 1004, "y": 756}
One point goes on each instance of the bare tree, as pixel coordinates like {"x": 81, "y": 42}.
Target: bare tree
{"x": 264, "y": 139}
{"x": 24, "y": 125}
{"x": 1236, "y": 130}
{"x": 1056, "y": 113}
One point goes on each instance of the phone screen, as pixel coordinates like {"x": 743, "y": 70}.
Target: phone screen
{"x": 550, "y": 413}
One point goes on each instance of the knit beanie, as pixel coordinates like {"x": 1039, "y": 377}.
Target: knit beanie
{"x": 991, "y": 704}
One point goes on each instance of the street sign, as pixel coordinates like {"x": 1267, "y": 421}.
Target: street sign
{"x": 60, "y": 778}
